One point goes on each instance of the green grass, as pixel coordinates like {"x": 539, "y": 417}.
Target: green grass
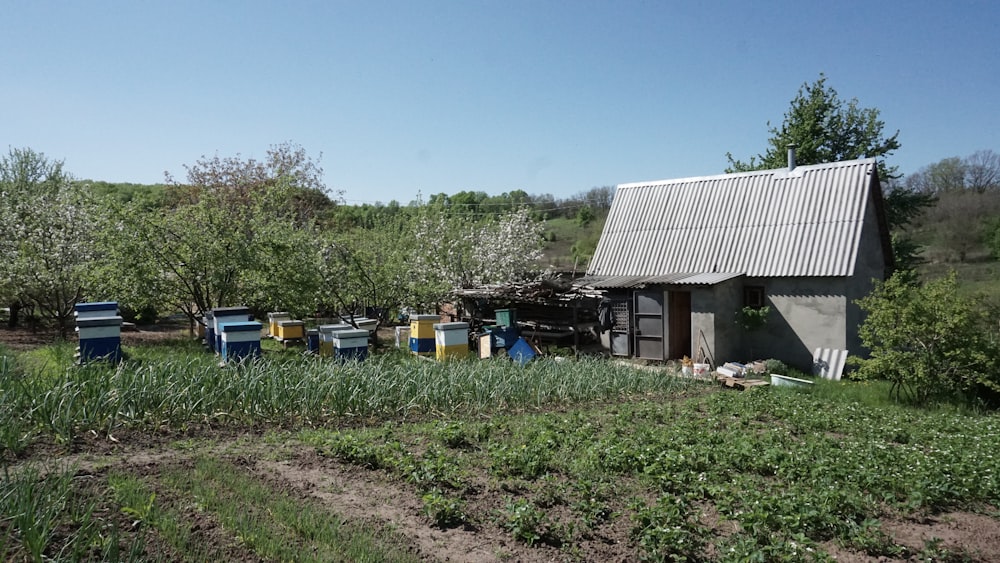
{"x": 45, "y": 514}
{"x": 562, "y": 233}
{"x": 570, "y": 447}
{"x": 48, "y": 361}
{"x": 973, "y": 277}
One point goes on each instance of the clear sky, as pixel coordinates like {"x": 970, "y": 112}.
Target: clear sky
{"x": 437, "y": 96}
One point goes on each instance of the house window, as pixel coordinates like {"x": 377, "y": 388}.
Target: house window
{"x": 753, "y": 296}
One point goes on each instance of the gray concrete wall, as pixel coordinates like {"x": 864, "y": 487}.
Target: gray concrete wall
{"x": 806, "y": 313}
{"x": 713, "y": 329}
{"x": 869, "y": 266}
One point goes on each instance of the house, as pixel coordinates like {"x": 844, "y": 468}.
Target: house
{"x": 678, "y": 259}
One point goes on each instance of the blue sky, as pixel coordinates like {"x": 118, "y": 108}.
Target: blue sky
{"x": 442, "y": 96}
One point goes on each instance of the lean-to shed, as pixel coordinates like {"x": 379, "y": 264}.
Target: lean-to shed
{"x": 678, "y": 259}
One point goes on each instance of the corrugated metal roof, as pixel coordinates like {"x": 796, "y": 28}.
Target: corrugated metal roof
{"x": 608, "y": 282}
{"x": 804, "y": 222}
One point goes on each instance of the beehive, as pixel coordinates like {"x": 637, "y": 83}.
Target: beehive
{"x": 451, "y": 340}
{"x": 100, "y": 338}
{"x": 350, "y": 344}
{"x": 223, "y": 315}
{"x": 289, "y": 330}
{"x": 422, "y": 334}
{"x": 240, "y": 340}
{"x": 272, "y": 321}
{"x": 326, "y": 337}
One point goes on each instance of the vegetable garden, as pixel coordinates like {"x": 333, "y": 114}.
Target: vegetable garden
{"x": 169, "y": 457}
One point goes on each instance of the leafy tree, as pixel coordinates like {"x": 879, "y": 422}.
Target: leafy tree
{"x": 45, "y": 236}
{"x": 977, "y": 173}
{"x": 237, "y": 234}
{"x": 369, "y": 269}
{"x": 147, "y": 197}
{"x": 824, "y": 129}
{"x": 929, "y": 341}
{"x": 966, "y": 195}
{"x": 946, "y": 175}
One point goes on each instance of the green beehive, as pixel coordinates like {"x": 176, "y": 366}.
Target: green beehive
{"x": 507, "y": 317}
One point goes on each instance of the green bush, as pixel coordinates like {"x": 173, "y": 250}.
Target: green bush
{"x": 929, "y": 341}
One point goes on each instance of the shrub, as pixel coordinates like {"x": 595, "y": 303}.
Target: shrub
{"x": 929, "y": 341}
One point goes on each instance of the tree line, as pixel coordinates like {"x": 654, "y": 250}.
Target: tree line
{"x": 237, "y": 231}
{"x": 476, "y": 205}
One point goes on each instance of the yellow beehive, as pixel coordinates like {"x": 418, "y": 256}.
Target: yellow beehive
{"x": 290, "y": 330}
{"x": 422, "y": 334}
{"x": 272, "y": 321}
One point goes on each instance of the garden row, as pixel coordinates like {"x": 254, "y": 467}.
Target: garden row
{"x": 754, "y": 476}
{"x": 173, "y": 386}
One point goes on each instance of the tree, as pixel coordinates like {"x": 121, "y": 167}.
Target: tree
{"x": 977, "y": 173}
{"x": 369, "y": 268}
{"x": 991, "y": 236}
{"x": 928, "y": 340}
{"x": 983, "y": 171}
{"x": 45, "y": 236}
{"x": 824, "y": 129}
{"x": 460, "y": 252}
{"x": 966, "y": 197}
{"x": 238, "y": 234}
{"x": 946, "y": 175}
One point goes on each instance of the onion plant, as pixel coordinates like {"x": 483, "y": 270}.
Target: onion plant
{"x": 298, "y": 391}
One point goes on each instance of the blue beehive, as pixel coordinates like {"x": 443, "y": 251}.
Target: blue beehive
{"x": 224, "y": 315}
{"x": 100, "y": 338}
{"x": 326, "y": 337}
{"x": 312, "y": 341}
{"x": 240, "y": 340}
{"x": 350, "y": 344}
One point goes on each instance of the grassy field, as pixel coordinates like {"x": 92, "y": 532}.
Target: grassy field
{"x": 563, "y": 234}
{"x": 170, "y": 457}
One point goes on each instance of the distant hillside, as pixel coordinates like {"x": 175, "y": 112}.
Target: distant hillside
{"x": 570, "y": 243}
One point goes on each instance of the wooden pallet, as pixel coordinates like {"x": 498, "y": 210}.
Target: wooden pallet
{"x": 740, "y": 383}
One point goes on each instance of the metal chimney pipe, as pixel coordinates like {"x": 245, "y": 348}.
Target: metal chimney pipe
{"x": 791, "y": 157}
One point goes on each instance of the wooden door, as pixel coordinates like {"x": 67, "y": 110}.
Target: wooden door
{"x": 679, "y": 322}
